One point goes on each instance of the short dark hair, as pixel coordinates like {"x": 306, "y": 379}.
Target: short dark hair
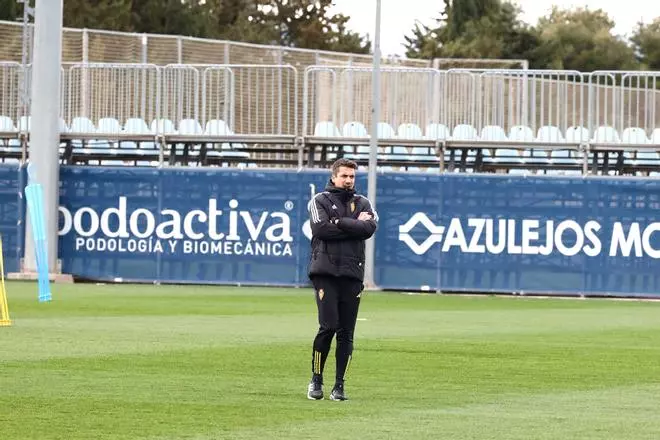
{"x": 342, "y": 162}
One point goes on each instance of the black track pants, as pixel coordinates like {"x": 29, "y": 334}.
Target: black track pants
{"x": 338, "y": 301}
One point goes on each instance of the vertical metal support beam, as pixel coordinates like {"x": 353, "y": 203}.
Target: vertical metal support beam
{"x": 45, "y": 131}
{"x": 369, "y": 270}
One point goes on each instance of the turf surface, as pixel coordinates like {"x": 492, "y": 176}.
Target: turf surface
{"x": 176, "y": 362}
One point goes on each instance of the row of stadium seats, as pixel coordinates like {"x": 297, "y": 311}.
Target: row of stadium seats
{"x": 459, "y": 132}
{"x": 494, "y": 133}
{"x": 147, "y": 150}
{"x": 414, "y": 158}
{"x": 492, "y": 155}
{"x": 112, "y": 126}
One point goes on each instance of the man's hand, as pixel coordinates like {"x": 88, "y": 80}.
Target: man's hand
{"x": 365, "y": 216}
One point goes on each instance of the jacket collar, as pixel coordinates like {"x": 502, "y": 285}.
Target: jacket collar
{"x": 343, "y": 194}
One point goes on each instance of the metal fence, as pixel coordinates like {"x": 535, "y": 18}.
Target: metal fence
{"x": 526, "y": 105}
{"x": 122, "y": 92}
{"x": 343, "y": 95}
{"x": 11, "y": 77}
{"x": 270, "y": 99}
{"x": 250, "y": 99}
{"x": 98, "y": 46}
{"x": 515, "y": 99}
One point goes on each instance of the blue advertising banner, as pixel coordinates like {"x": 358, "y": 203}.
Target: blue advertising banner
{"x": 185, "y": 225}
{"x": 519, "y": 234}
{"x": 12, "y": 206}
{"x": 452, "y": 232}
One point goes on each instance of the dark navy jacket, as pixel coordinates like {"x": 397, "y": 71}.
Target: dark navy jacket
{"x": 338, "y": 249}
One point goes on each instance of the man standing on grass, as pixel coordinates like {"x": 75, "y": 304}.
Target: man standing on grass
{"x": 341, "y": 221}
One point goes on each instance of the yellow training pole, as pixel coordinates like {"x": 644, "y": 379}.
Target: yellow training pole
{"x": 4, "y": 308}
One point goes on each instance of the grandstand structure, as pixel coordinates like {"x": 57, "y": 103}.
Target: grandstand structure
{"x": 159, "y": 101}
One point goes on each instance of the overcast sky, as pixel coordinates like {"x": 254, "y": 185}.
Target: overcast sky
{"x": 399, "y": 16}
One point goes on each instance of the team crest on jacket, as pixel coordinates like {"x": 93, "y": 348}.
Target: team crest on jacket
{"x": 352, "y": 207}
{"x": 321, "y": 293}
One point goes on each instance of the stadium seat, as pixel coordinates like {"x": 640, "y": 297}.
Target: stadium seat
{"x": 577, "y": 134}
{"x": 655, "y": 137}
{"x": 438, "y": 132}
{"x": 7, "y": 124}
{"x": 409, "y": 131}
{"x": 566, "y": 158}
{"x": 137, "y": 126}
{"x": 517, "y": 133}
{"x": 493, "y": 133}
{"x": 109, "y": 126}
{"x": 218, "y": 127}
{"x": 549, "y": 134}
{"x": 82, "y": 125}
{"x": 385, "y": 131}
{"x": 521, "y": 133}
{"x": 355, "y": 129}
{"x": 326, "y": 129}
{"x": 162, "y": 126}
{"x": 464, "y": 132}
{"x": 24, "y": 124}
{"x": 190, "y": 127}
{"x": 634, "y": 135}
{"x": 605, "y": 134}
{"x": 504, "y": 154}
{"x": 652, "y": 156}
{"x": 414, "y": 132}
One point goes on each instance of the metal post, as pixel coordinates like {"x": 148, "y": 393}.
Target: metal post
{"x": 45, "y": 131}
{"x": 369, "y": 278}
{"x": 26, "y": 55}
{"x": 85, "y": 75}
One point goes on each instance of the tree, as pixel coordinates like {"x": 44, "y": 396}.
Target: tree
{"x": 582, "y": 40}
{"x": 425, "y": 42}
{"x": 307, "y": 24}
{"x": 12, "y": 43}
{"x": 174, "y": 17}
{"x": 461, "y": 12}
{"x": 646, "y": 42}
{"x": 98, "y": 14}
{"x": 499, "y": 34}
{"x": 474, "y": 29}
{"x": 233, "y": 20}
{"x": 10, "y": 10}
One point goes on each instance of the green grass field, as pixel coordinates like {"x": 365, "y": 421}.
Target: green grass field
{"x": 175, "y": 362}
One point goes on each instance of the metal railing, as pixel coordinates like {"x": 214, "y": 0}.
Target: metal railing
{"x": 100, "y": 46}
{"x": 270, "y": 100}
{"x": 249, "y": 99}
